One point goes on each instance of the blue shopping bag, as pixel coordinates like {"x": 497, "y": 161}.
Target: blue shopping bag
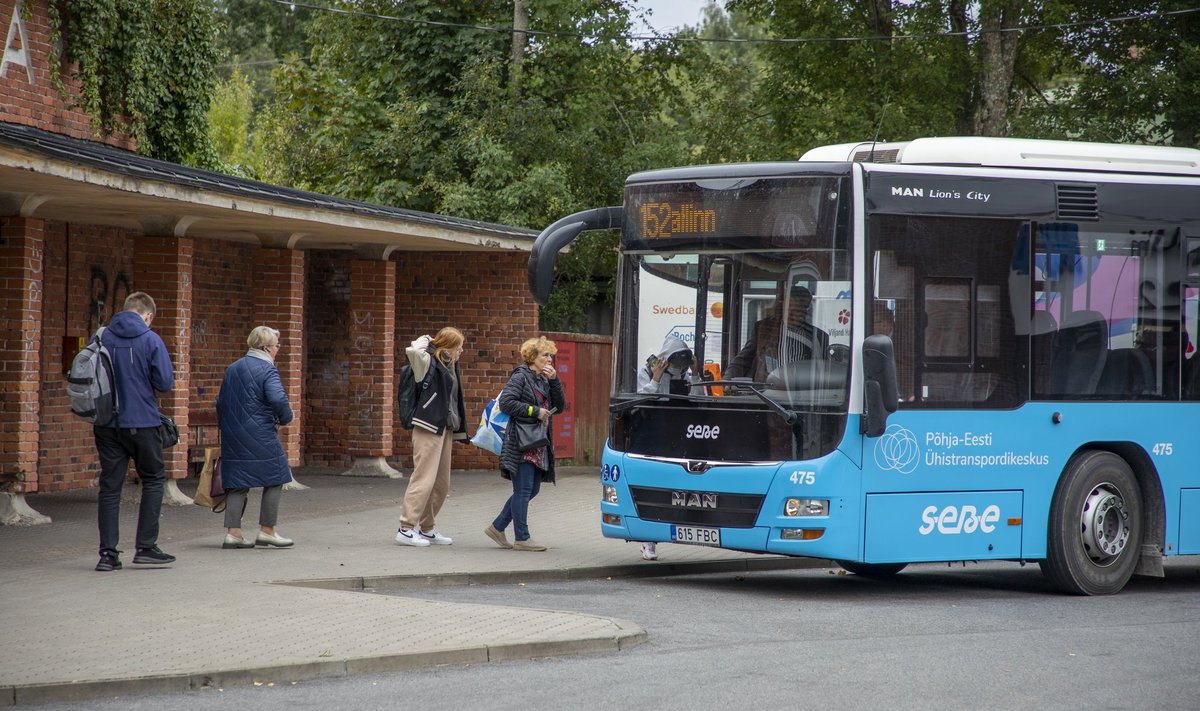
{"x": 493, "y": 426}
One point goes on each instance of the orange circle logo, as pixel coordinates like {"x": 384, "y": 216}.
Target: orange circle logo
{"x": 718, "y": 310}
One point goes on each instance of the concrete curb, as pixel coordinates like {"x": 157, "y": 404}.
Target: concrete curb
{"x": 632, "y": 570}
{"x": 628, "y": 635}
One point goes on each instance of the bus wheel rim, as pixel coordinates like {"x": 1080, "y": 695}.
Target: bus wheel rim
{"x": 1104, "y": 524}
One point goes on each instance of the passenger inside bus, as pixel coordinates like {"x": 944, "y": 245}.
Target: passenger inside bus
{"x": 779, "y": 339}
{"x": 674, "y": 361}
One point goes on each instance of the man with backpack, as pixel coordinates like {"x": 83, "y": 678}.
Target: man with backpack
{"x": 140, "y": 367}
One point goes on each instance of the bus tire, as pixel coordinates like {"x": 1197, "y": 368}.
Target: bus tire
{"x": 872, "y": 570}
{"x": 1095, "y": 526}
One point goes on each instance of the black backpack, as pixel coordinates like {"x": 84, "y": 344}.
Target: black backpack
{"x": 409, "y": 392}
{"x": 91, "y": 384}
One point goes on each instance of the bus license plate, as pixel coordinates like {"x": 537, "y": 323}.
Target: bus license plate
{"x": 695, "y": 535}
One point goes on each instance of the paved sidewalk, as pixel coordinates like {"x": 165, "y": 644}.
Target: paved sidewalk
{"x": 219, "y": 617}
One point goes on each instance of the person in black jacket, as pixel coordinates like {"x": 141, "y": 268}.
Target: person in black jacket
{"x": 533, "y": 391}
{"x": 251, "y": 407}
{"x": 440, "y": 418}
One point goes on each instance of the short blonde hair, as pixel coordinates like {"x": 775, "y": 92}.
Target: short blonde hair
{"x": 531, "y": 348}
{"x": 262, "y": 337}
{"x": 140, "y": 302}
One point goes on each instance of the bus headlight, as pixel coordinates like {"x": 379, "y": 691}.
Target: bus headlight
{"x": 806, "y": 507}
{"x": 610, "y": 494}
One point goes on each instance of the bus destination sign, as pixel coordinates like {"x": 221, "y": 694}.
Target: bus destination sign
{"x": 665, "y": 219}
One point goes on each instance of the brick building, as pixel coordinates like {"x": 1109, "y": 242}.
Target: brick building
{"x": 84, "y": 222}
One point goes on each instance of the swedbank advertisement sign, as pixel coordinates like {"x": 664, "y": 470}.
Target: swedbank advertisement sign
{"x": 667, "y": 309}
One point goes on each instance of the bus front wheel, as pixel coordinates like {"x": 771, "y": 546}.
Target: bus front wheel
{"x": 872, "y": 570}
{"x": 1095, "y": 525}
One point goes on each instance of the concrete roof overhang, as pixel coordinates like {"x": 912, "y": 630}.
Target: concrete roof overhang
{"x": 54, "y": 177}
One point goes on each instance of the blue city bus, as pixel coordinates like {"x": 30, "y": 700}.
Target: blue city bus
{"x": 946, "y": 349}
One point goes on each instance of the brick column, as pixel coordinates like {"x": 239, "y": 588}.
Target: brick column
{"x": 279, "y": 303}
{"x": 162, "y": 267}
{"x": 372, "y": 395}
{"x": 21, "y": 264}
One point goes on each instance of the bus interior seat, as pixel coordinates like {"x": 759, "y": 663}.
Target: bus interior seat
{"x": 1079, "y": 353}
{"x": 1127, "y": 372}
{"x": 1042, "y": 335}
{"x": 1191, "y": 378}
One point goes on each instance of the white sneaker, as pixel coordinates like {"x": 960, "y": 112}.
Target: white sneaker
{"x": 436, "y": 538}
{"x": 410, "y": 537}
{"x": 649, "y": 551}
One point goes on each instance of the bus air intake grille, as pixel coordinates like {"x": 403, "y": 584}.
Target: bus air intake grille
{"x": 866, "y": 155}
{"x": 1077, "y": 202}
{"x": 696, "y": 508}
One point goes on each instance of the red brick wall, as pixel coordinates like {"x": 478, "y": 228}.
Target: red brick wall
{"x": 327, "y": 377}
{"x": 279, "y": 303}
{"x": 88, "y": 274}
{"x": 485, "y": 296}
{"x": 39, "y": 103}
{"x": 21, "y": 270}
{"x": 221, "y": 320}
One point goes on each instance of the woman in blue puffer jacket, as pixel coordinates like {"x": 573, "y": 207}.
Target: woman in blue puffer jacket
{"x": 250, "y": 408}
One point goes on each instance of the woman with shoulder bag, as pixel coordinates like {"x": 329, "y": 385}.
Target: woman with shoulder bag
{"x": 251, "y": 406}
{"x": 532, "y": 395}
{"x": 439, "y": 419}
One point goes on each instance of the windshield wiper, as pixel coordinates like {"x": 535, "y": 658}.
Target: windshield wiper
{"x": 630, "y": 404}
{"x": 788, "y": 416}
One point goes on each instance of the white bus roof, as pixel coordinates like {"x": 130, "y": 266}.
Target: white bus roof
{"x": 1016, "y": 153}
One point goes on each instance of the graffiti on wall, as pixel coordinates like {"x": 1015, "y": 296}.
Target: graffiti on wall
{"x": 106, "y": 295}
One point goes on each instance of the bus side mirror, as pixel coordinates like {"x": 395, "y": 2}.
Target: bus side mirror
{"x": 544, "y": 253}
{"x": 880, "y": 396}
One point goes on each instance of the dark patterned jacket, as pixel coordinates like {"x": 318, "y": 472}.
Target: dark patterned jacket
{"x": 515, "y": 400}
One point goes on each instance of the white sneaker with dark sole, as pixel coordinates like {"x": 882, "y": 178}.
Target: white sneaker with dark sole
{"x": 410, "y": 537}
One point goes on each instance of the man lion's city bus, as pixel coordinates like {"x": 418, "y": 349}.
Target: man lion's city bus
{"x": 947, "y": 349}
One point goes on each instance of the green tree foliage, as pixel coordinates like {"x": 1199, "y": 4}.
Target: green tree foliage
{"x": 255, "y": 36}
{"x": 915, "y": 76}
{"x": 1135, "y": 81}
{"x": 145, "y": 67}
{"x": 442, "y": 119}
{"x": 229, "y": 125}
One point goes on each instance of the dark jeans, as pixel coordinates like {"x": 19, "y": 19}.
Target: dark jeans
{"x": 527, "y": 482}
{"x": 116, "y": 447}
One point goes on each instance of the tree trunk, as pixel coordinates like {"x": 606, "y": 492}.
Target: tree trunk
{"x": 997, "y": 65}
{"x": 517, "y": 55}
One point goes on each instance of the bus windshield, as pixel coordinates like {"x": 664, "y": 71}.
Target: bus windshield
{"x": 746, "y": 284}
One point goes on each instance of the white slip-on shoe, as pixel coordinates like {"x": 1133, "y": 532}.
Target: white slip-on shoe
{"x": 273, "y": 539}
{"x": 410, "y": 537}
{"x": 649, "y": 551}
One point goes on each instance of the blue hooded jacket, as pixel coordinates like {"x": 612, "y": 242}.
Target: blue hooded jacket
{"x": 140, "y": 367}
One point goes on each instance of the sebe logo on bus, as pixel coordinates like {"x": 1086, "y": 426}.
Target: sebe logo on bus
{"x": 703, "y": 431}
{"x": 952, "y": 521}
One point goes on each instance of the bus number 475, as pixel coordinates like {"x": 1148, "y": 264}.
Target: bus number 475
{"x": 1163, "y": 448}
{"x": 803, "y": 477}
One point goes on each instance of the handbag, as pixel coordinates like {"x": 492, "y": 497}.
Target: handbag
{"x": 210, "y": 491}
{"x": 169, "y": 431}
{"x": 530, "y": 434}
{"x": 493, "y": 427}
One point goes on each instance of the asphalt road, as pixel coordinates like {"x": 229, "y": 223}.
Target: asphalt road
{"x": 987, "y": 636}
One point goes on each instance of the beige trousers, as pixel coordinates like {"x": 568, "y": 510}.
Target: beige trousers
{"x": 430, "y": 480}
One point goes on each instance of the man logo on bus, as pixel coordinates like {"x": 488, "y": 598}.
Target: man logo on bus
{"x": 897, "y": 449}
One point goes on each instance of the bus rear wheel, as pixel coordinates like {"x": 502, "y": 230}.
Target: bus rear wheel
{"x": 1095, "y": 533}
{"x": 872, "y": 570}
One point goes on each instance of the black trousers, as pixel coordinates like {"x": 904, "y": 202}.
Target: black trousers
{"x": 116, "y": 447}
